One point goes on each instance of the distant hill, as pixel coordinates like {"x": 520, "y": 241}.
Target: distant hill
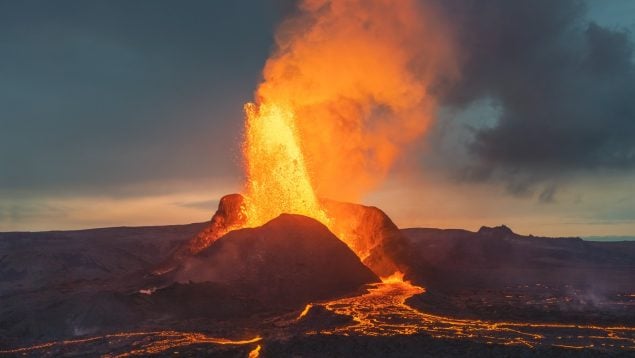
{"x": 31, "y": 260}
{"x": 498, "y": 257}
{"x": 608, "y": 238}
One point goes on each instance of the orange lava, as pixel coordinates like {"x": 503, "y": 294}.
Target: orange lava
{"x": 380, "y": 312}
{"x": 146, "y": 343}
{"x": 305, "y": 311}
{"x": 394, "y": 278}
{"x": 255, "y": 353}
{"x": 383, "y": 312}
{"x": 278, "y": 179}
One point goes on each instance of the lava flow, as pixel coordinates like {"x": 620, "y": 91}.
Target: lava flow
{"x": 145, "y": 343}
{"x": 383, "y": 312}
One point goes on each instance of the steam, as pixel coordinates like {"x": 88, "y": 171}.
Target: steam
{"x": 356, "y": 79}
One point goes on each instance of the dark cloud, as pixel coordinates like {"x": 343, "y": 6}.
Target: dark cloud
{"x": 565, "y": 88}
{"x": 548, "y": 195}
{"x": 99, "y": 94}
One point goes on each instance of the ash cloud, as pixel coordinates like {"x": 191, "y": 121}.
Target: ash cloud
{"x": 564, "y": 86}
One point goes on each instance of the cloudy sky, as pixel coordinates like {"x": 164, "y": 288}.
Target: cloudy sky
{"x": 130, "y": 113}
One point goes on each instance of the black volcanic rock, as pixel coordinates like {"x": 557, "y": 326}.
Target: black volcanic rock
{"x": 497, "y": 257}
{"x": 61, "y": 284}
{"x": 281, "y": 266}
{"x": 227, "y": 217}
{"x": 498, "y": 231}
{"x": 499, "y": 275}
{"x": 39, "y": 260}
{"x": 291, "y": 260}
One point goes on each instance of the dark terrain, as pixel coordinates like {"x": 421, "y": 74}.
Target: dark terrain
{"x": 65, "y": 284}
{"x": 253, "y": 282}
{"x": 496, "y": 274}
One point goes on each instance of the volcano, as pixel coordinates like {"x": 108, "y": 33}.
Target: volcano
{"x": 292, "y": 285}
{"x": 290, "y": 260}
{"x": 368, "y": 229}
{"x": 218, "y": 273}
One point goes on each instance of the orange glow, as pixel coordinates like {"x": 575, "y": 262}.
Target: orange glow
{"x": 304, "y": 312}
{"x": 345, "y": 92}
{"x": 383, "y": 311}
{"x": 278, "y": 179}
{"x": 396, "y": 277}
{"x": 255, "y": 353}
{"x": 144, "y": 343}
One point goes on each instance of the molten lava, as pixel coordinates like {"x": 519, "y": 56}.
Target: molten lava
{"x": 344, "y": 93}
{"x": 143, "y": 344}
{"x": 278, "y": 179}
{"x": 383, "y": 311}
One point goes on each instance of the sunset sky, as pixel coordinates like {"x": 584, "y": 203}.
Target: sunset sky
{"x": 131, "y": 113}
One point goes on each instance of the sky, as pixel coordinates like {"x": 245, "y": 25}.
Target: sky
{"x": 130, "y": 113}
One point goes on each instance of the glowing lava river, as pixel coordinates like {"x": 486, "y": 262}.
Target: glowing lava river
{"x": 381, "y": 312}
{"x": 130, "y": 344}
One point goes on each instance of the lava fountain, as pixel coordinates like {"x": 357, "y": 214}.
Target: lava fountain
{"x": 347, "y": 89}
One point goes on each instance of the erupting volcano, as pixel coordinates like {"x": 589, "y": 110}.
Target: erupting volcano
{"x": 340, "y": 100}
{"x": 293, "y": 265}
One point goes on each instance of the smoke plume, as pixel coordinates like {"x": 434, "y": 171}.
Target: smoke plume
{"x": 359, "y": 78}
